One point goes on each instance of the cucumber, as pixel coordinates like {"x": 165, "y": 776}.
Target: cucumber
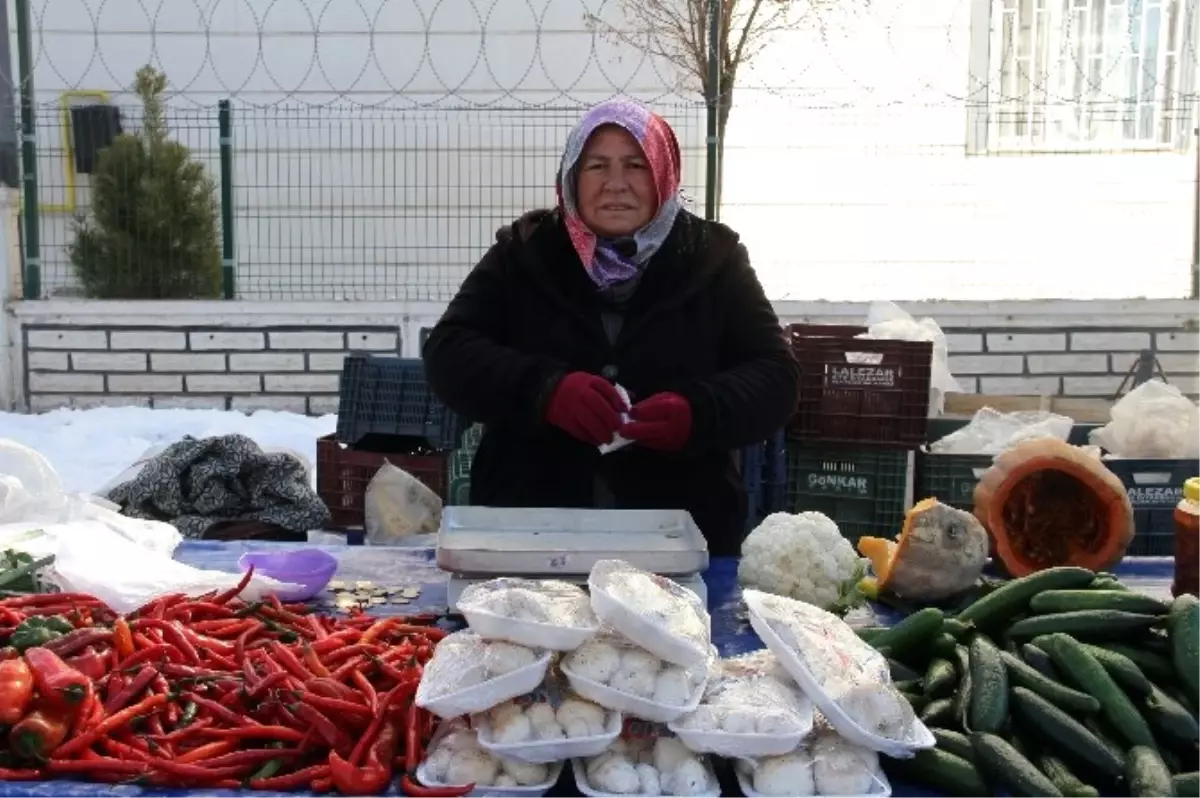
{"x": 989, "y": 686}
{"x": 1072, "y": 600}
{"x": 943, "y": 645}
{"x": 901, "y": 672}
{"x": 1123, "y": 670}
{"x": 1186, "y": 784}
{"x": 1146, "y": 775}
{"x": 1157, "y": 669}
{"x": 1086, "y": 671}
{"x": 1039, "y": 660}
{"x": 1183, "y": 628}
{"x": 938, "y": 713}
{"x": 1089, "y": 624}
{"x": 998, "y": 607}
{"x": 1065, "y": 732}
{"x": 941, "y": 770}
{"x": 957, "y": 628}
{"x": 1003, "y": 763}
{"x": 1103, "y": 732}
{"x": 915, "y": 700}
{"x": 869, "y": 633}
{"x": 911, "y": 633}
{"x": 955, "y": 743}
{"x": 1060, "y": 695}
{"x": 940, "y": 679}
{"x": 962, "y": 698}
{"x": 1107, "y": 582}
{"x": 909, "y": 686}
{"x": 1067, "y": 782}
{"x": 1170, "y": 719}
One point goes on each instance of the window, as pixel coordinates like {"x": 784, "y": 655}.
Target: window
{"x": 1082, "y": 75}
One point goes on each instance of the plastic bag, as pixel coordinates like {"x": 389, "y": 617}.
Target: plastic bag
{"x": 1152, "y": 421}
{"x": 618, "y": 442}
{"x": 886, "y": 321}
{"x": 455, "y": 757}
{"x": 992, "y": 432}
{"x": 751, "y": 708}
{"x": 468, "y": 674}
{"x": 397, "y": 505}
{"x": 828, "y": 765}
{"x": 661, "y": 616}
{"x": 619, "y": 675}
{"x": 846, "y": 679}
{"x": 647, "y": 760}
{"x": 547, "y": 725}
{"x": 542, "y": 613}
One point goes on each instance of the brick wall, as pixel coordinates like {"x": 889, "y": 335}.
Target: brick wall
{"x": 274, "y": 368}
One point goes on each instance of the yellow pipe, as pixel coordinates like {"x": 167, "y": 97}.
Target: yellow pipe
{"x": 68, "y": 147}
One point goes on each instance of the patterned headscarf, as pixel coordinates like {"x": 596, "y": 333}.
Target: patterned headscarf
{"x": 607, "y": 262}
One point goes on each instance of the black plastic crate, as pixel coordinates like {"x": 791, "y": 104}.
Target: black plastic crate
{"x": 950, "y": 478}
{"x": 864, "y": 491}
{"x": 389, "y": 396}
{"x": 1154, "y": 487}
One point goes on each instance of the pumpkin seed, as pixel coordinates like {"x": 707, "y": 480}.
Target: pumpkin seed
{"x": 410, "y": 592}
{"x": 399, "y": 600}
{"x": 337, "y": 585}
{"x": 364, "y": 585}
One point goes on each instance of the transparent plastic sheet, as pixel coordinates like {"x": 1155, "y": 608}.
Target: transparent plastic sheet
{"x": 468, "y": 674}
{"x": 827, "y": 765}
{"x": 455, "y": 758}
{"x": 886, "y": 321}
{"x": 846, "y": 679}
{"x": 653, "y": 612}
{"x": 991, "y": 432}
{"x": 803, "y": 556}
{"x": 542, "y": 613}
{"x": 549, "y": 724}
{"x": 751, "y": 708}
{"x": 397, "y": 505}
{"x": 646, "y": 761}
{"x": 1152, "y": 421}
{"x": 618, "y": 675}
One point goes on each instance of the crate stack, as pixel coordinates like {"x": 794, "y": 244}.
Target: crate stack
{"x": 386, "y": 413}
{"x": 863, "y": 412}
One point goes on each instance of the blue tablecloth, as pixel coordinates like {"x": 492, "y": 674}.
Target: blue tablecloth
{"x": 731, "y": 631}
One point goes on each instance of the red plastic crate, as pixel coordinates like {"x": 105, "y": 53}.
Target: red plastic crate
{"x": 343, "y": 475}
{"x": 881, "y": 402}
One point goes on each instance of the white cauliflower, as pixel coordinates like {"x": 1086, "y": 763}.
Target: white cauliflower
{"x": 689, "y": 778}
{"x": 671, "y": 687}
{"x": 438, "y": 760}
{"x": 596, "y": 660}
{"x": 637, "y": 673}
{"x": 801, "y": 556}
{"x": 505, "y": 780}
{"x": 650, "y": 784}
{"x": 879, "y": 708}
{"x": 509, "y": 724}
{"x": 525, "y": 773}
{"x": 777, "y": 721}
{"x": 705, "y": 718}
{"x": 581, "y": 718}
{"x": 500, "y": 657}
{"x": 471, "y": 767}
{"x": 613, "y": 772}
{"x": 669, "y": 753}
{"x": 740, "y": 721}
{"x": 787, "y": 775}
{"x": 841, "y": 767}
{"x": 545, "y": 722}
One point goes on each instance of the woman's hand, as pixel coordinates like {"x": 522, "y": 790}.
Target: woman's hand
{"x": 586, "y": 407}
{"x": 662, "y": 422}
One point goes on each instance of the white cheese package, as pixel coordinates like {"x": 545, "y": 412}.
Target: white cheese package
{"x": 828, "y": 765}
{"x": 547, "y": 725}
{"x": 618, "y": 675}
{"x": 455, "y": 759}
{"x": 540, "y": 613}
{"x": 468, "y": 674}
{"x": 751, "y": 708}
{"x": 846, "y": 679}
{"x": 647, "y": 761}
{"x": 661, "y": 616}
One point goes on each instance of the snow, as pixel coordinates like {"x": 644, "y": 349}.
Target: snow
{"x": 89, "y": 447}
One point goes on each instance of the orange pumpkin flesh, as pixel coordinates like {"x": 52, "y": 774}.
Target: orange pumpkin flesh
{"x": 1047, "y": 503}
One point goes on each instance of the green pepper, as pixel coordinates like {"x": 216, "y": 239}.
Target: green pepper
{"x": 38, "y": 631}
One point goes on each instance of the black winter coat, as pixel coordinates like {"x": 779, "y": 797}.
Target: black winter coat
{"x": 698, "y": 324}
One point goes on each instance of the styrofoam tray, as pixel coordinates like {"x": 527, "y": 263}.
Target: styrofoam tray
{"x": 723, "y": 743}
{"x": 880, "y": 788}
{"x": 482, "y": 697}
{"x": 543, "y": 751}
{"x": 527, "y": 633}
{"x": 919, "y": 735}
{"x": 642, "y": 708}
{"x": 579, "y": 768}
{"x": 531, "y": 791}
{"x": 645, "y": 633}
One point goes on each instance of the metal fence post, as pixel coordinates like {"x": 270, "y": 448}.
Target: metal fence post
{"x": 228, "y": 263}
{"x": 29, "y": 192}
{"x": 712, "y": 174}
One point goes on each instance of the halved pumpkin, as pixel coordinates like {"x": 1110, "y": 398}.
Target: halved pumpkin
{"x": 1047, "y": 503}
{"x": 940, "y": 553}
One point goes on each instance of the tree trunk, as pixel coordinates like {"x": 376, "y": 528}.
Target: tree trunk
{"x": 723, "y": 109}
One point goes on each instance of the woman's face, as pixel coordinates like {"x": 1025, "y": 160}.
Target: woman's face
{"x": 615, "y": 192}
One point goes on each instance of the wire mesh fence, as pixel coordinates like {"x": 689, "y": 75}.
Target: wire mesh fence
{"x": 940, "y": 148}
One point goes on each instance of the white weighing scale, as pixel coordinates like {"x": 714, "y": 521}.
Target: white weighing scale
{"x": 476, "y": 544}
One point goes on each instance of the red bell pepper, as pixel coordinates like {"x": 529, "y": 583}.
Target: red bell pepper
{"x": 54, "y": 679}
{"x": 92, "y": 665}
{"x": 16, "y": 690}
{"x": 41, "y": 731}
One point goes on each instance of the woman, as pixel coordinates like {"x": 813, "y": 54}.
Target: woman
{"x": 621, "y": 286}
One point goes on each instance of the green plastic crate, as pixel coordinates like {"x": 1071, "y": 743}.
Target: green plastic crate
{"x": 864, "y": 491}
{"x": 951, "y": 478}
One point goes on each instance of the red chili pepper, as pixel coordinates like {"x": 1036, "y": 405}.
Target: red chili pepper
{"x": 411, "y": 788}
{"x": 337, "y": 640}
{"x": 346, "y": 652}
{"x": 111, "y": 723}
{"x": 235, "y": 591}
{"x": 16, "y": 690}
{"x": 330, "y": 733}
{"x": 150, "y": 652}
{"x": 99, "y": 764}
{"x": 207, "y": 750}
{"x": 42, "y": 730}
{"x": 78, "y": 640}
{"x": 173, "y": 633}
{"x": 136, "y": 686}
{"x": 343, "y": 672}
{"x": 41, "y": 599}
{"x": 281, "y": 733}
{"x": 327, "y": 687}
{"x": 372, "y": 778}
{"x": 335, "y": 706}
{"x": 94, "y": 666}
{"x": 412, "y": 739}
{"x": 220, "y": 712}
{"x": 313, "y": 662}
{"x": 13, "y": 774}
{"x": 368, "y": 690}
{"x": 54, "y": 679}
{"x": 288, "y": 660}
{"x": 301, "y": 778}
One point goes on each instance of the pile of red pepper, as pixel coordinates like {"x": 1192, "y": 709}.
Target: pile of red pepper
{"x": 214, "y": 692}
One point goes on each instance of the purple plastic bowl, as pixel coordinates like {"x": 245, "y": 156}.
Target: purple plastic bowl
{"x": 310, "y": 568}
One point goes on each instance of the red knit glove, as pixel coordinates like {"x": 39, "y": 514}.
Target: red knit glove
{"x": 662, "y": 421}
{"x": 586, "y": 407}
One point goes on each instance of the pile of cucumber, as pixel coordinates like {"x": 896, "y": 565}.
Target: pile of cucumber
{"x": 1064, "y": 682}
